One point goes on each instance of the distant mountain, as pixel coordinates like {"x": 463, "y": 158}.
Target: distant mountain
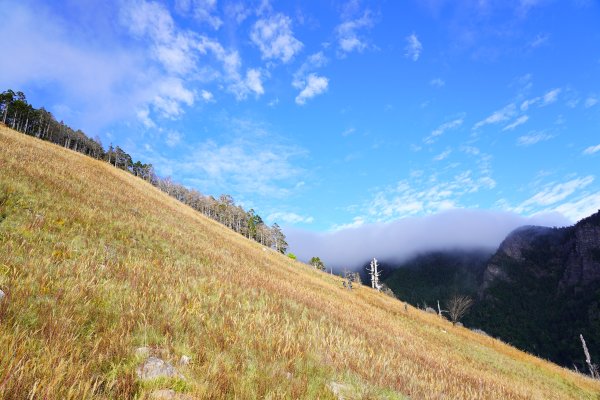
{"x": 538, "y": 291}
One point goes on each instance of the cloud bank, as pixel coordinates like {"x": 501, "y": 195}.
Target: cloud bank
{"x": 404, "y": 238}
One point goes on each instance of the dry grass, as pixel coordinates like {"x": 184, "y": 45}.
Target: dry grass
{"x": 96, "y": 263}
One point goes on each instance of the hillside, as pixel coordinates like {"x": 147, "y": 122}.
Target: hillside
{"x": 101, "y": 269}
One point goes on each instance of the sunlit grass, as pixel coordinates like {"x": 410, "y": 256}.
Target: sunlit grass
{"x": 97, "y": 263}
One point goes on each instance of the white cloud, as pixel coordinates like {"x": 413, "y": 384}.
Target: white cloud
{"x": 202, "y": 10}
{"x": 440, "y": 130}
{"x": 173, "y": 138}
{"x": 148, "y": 19}
{"x": 497, "y": 117}
{"x": 437, "y": 82}
{"x": 553, "y": 193}
{"x": 443, "y": 155}
{"x": 252, "y": 164}
{"x": 418, "y": 196}
{"x": 471, "y": 150}
{"x": 143, "y": 115}
{"x": 539, "y": 40}
{"x": 289, "y": 218}
{"x": 348, "y": 132}
{"x": 533, "y": 138}
{"x": 109, "y": 82}
{"x": 548, "y": 98}
{"x": 351, "y": 245}
{"x": 275, "y": 39}
{"x": 230, "y": 59}
{"x": 231, "y": 63}
{"x": 314, "y": 61}
{"x": 519, "y": 121}
{"x": 528, "y": 103}
{"x": 254, "y": 82}
{"x": 592, "y": 149}
{"x": 356, "y": 222}
{"x": 590, "y": 102}
{"x": 237, "y": 12}
{"x": 413, "y": 47}
{"x": 207, "y": 96}
{"x": 578, "y": 209}
{"x": 170, "y": 96}
{"x": 315, "y": 85}
{"x": 347, "y": 33}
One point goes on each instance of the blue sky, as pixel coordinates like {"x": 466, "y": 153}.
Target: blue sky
{"x": 323, "y": 115}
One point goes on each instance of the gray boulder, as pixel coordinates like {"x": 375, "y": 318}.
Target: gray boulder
{"x": 154, "y": 368}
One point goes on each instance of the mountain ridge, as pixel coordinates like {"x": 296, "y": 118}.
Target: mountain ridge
{"x": 539, "y": 290}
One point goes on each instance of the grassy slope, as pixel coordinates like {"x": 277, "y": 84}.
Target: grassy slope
{"x": 96, "y": 263}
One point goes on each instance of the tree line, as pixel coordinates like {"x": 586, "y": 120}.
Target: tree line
{"x": 18, "y": 114}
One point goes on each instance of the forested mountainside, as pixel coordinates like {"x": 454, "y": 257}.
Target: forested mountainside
{"x": 539, "y": 291}
{"x": 18, "y": 114}
{"x": 110, "y": 293}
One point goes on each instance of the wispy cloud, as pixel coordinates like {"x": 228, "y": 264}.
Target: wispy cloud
{"x": 289, "y": 218}
{"x": 207, "y": 96}
{"x": 497, "y": 117}
{"x": 308, "y": 83}
{"x": 231, "y": 74}
{"x": 201, "y": 10}
{"x": 173, "y": 138}
{"x": 550, "y": 97}
{"x": 315, "y": 85}
{"x": 275, "y": 39}
{"x": 533, "y": 138}
{"x": 254, "y": 81}
{"x": 413, "y": 47}
{"x": 418, "y": 197}
{"x": 443, "y": 155}
{"x": 539, "y": 40}
{"x": 440, "y": 130}
{"x": 437, "y": 82}
{"x": 553, "y": 193}
{"x": 592, "y": 150}
{"x": 348, "y": 33}
{"x": 580, "y": 208}
{"x": 519, "y": 121}
{"x": 590, "y": 102}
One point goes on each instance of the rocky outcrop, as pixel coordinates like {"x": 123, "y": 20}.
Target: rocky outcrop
{"x": 572, "y": 253}
{"x": 515, "y": 247}
{"x": 583, "y": 263}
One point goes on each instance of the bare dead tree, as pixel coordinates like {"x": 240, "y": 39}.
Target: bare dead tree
{"x": 458, "y": 306}
{"x": 588, "y": 360}
{"x": 440, "y": 311}
{"x": 373, "y": 270}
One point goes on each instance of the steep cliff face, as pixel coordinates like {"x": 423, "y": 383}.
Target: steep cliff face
{"x": 583, "y": 263}
{"x": 515, "y": 247}
{"x": 571, "y": 254}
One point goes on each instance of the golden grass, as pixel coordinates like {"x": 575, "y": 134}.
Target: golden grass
{"x": 96, "y": 262}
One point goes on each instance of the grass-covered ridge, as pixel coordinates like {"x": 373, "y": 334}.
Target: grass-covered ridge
{"x": 96, "y": 263}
